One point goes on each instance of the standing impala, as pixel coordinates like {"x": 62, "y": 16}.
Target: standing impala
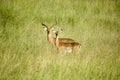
{"x": 51, "y": 39}
{"x": 65, "y": 46}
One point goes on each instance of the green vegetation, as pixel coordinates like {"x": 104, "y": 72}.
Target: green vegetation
{"x": 25, "y": 53}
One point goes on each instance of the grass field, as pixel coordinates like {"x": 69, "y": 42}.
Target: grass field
{"x": 25, "y": 53}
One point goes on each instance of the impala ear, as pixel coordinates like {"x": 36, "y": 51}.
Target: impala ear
{"x": 61, "y": 30}
{"x": 45, "y": 28}
{"x": 52, "y": 29}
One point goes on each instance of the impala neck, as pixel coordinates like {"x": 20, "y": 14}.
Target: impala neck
{"x": 51, "y": 39}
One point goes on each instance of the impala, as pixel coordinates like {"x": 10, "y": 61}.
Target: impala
{"x": 66, "y": 46}
{"x": 51, "y": 39}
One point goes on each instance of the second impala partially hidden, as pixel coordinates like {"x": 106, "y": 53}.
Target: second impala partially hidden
{"x": 51, "y": 39}
{"x": 65, "y": 46}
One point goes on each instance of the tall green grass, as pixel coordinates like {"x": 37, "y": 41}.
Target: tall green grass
{"x": 25, "y": 53}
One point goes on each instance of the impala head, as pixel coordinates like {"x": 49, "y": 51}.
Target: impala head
{"x": 57, "y": 32}
{"x": 48, "y": 29}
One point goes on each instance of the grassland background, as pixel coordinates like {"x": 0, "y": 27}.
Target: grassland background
{"x": 25, "y": 53}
